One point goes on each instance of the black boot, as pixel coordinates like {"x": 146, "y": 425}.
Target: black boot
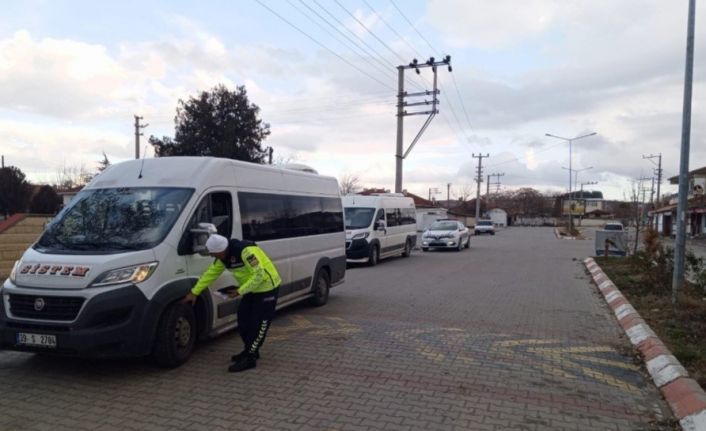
{"x": 245, "y": 363}
{"x": 241, "y": 355}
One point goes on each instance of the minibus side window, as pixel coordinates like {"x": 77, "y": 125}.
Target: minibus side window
{"x": 393, "y": 217}
{"x": 380, "y": 216}
{"x": 217, "y": 209}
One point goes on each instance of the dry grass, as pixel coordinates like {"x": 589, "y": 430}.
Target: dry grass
{"x": 682, "y": 327}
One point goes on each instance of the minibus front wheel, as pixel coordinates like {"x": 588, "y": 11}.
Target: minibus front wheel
{"x": 176, "y": 335}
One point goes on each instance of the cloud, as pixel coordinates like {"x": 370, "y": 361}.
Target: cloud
{"x": 491, "y": 25}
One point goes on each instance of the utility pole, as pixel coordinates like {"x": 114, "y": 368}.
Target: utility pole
{"x": 639, "y": 210}
{"x": 497, "y": 181}
{"x": 479, "y": 179}
{"x": 432, "y": 190}
{"x": 487, "y": 187}
{"x": 658, "y": 171}
{"x": 3, "y": 162}
{"x": 679, "y": 249}
{"x": 448, "y": 195}
{"x": 400, "y": 154}
{"x": 269, "y": 153}
{"x": 138, "y": 126}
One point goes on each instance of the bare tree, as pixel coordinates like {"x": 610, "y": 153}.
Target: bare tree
{"x": 281, "y": 159}
{"x": 349, "y": 183}
{"x": 70, "y": 177}
{"x": 464, "y": 192}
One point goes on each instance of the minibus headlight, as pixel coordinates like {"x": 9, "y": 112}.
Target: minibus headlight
{"x": 130, "y": 274}
{"x": 361, "y": 235}
{"x": 13, "y": 273}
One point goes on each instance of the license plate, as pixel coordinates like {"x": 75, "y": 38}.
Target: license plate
{"x": 39, "y": 340}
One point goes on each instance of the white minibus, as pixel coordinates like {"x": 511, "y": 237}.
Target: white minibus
{"x": 379, "y": 226}
{"x": 107, "y": 275}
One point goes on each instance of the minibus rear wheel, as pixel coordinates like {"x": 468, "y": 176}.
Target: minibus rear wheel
{"x": 407, "y": 248}
{"x": 176, "y": 335}
{"x": 321, "y": 289}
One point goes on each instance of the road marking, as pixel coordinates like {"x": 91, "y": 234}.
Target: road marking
{"x": 328, "y": 326}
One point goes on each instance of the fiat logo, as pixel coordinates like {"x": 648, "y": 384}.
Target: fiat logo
{"x": 39, "y": 304}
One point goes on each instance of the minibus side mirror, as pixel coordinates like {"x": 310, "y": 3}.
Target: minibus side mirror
{"x": 380, "y": 225}
{"x": 199, "y": 236}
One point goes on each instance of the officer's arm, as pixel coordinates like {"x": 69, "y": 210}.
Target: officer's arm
{"x": 209, "y": 276}
{"x": 258, "y": 273}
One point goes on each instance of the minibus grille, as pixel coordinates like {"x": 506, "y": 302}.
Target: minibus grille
{"x": 45, "y": 307}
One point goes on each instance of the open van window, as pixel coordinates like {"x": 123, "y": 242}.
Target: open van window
{"x": 114, "y": 220}
{"x": 358, "y": 218}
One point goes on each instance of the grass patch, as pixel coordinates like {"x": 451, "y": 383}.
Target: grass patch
{"x": 682, "y": 327}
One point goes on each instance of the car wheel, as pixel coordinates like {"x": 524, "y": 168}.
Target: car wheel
{"x": 407, "y": 249}
{"x": 374, "y": 256}
{"x": 425, "y": 248}
{"x": 321, "y": 289}
{"x": 176, "y": 335}
{"x": 492, "y": 233}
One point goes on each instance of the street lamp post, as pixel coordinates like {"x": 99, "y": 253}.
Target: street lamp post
{"x": 570, "y": 141}
{"x": 576, "y": 172}
{"x": 584, "y": 199}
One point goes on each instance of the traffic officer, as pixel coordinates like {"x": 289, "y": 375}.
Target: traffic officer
{"x": 259, "y": 285}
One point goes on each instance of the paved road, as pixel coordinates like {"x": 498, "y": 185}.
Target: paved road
{"x": 506, "y": 335}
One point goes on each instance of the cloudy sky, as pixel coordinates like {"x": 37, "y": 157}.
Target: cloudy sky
{"x": 73, "y": 74}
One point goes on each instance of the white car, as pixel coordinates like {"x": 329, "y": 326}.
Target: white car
{"x": 446, "y": 234}
{"x": 484, "y": 226}
{"x": 613, "y": 226}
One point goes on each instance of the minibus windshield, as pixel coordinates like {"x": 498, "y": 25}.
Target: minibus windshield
{"x": 358, "y": 218}
{"x": 114, "y": 220}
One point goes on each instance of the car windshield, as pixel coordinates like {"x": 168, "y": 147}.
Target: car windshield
{"x": 358, "y": 218}
{"x": 485, "y": 223}
{"x": 613, "y": 227}
{"x": 112, "y": 220}
{"x": 444, "y": 225}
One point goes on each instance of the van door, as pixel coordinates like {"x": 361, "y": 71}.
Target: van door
{"x": 380, "y": 235}
{"x": 217, "y": 208}
{"x": 395, "y": 235}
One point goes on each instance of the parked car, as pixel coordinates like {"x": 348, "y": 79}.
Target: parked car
{"x": 446, "y": 233}
{"x": 484, "y": 226}
{"x": 613, "y": 226}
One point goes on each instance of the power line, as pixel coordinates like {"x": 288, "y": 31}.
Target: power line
{"x": 392, "y": 29}
{"x": 371, "y": 33}
{"x": 412, "y": 25}
{"x": 379, "y": 58}
{"x": 463, "y": 105}
{"x": 324, "y": 46}
{"x": 353, "y": 42}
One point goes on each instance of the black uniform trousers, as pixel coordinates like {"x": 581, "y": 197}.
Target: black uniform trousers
{"x": 255, "y": 315}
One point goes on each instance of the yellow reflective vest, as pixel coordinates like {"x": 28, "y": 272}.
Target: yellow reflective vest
{"x": 253, "y": 271}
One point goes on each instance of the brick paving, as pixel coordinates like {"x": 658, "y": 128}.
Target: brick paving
{"x": 507, "y": 335}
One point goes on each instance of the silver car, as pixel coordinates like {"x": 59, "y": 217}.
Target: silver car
{"x": 446, "y": 234}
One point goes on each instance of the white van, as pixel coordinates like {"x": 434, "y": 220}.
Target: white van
{"x": 379, "y": 226}
{"x": 107, "y": 275}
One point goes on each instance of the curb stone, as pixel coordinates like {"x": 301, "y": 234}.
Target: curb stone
{"x": 684, "y": 396}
